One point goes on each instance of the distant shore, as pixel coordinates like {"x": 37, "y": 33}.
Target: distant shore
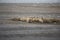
{"x": 30, "y": 7}
{"x": 30, "y": 4}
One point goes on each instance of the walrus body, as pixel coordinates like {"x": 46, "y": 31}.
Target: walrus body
{"x": 32, "y": 19}
{"x": 26, "y": 19}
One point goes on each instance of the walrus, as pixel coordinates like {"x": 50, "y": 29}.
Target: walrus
{"x": 16, "y": 19}
{"x": 37, "y": 20}
{"x": 26, "y": 19}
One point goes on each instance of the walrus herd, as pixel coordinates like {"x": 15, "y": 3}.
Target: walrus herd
{"x": 37, "y": 20}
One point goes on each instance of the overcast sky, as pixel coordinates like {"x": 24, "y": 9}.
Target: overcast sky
{"x": 29, "y": 1}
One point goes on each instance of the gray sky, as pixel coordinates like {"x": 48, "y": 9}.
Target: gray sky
{"x": 29, "y": 1}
